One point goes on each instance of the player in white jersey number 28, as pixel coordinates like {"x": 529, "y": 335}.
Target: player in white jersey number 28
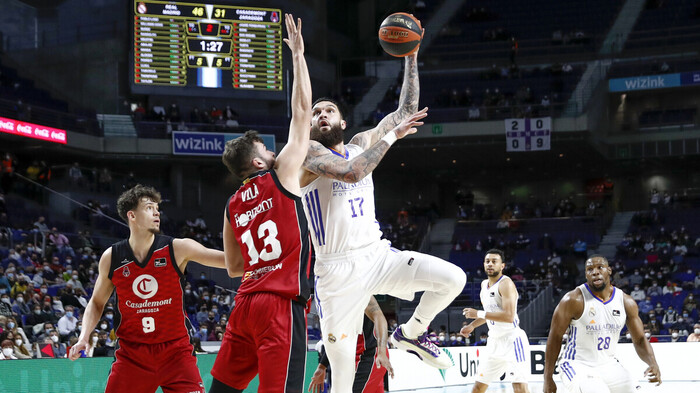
{"x": 595, "y": 313}
{"x": 507, "y": 348}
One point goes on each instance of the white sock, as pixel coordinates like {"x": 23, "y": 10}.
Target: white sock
{"x": 415, "y": 326}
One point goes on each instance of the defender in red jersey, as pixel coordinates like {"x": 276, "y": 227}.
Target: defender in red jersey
{"x": 371, "y": 356}
{"x": 151, "y": 325}
{"x": 266, "y": 235}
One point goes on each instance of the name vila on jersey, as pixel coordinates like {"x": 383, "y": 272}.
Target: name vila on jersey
{"x": 244, "y": 218}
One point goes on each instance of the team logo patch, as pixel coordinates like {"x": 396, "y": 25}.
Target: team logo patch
{"x": 331, "y": 338}
{"x": 616, "y": 313}
{"x": 591, "y": 312}
{"x": 493, "y": 294}
{"x": 126, "y": 272}
{"x": 160, "y": 262}
{"x": 145, "y": 286}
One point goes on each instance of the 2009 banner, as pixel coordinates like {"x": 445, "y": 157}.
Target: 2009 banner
{"x": 35, "y": 131}
{"x": 528, "y": 134}
{"x": 411, "y": 373}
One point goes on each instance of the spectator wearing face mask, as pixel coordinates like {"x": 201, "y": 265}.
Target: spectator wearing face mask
{"x": 67, "y": 323}
{"x": 682, "y": 325}
{"x": 676, "y": 337}
{"x": 483, "y": 338}
{"x": 638, "y": 293}
{"x": 5, "y": 305}
{"x": 37, "y": 316}
{"x": 689, "y": 304}
{"x": 109, "y": 316}
{"x": 92, "y": 343}
{"x": 59, "y": 348}
{"x": 695, "y": 336}
{"x": 20, "y": 307}
{"x": 103, "y": 325}
{"x": 202, "y": 333}
{"x": 655, "y": 289}
{"x": 649, "y": 336}
{"x": 20, "y": 350}
{"x": 670, "y": 317}
{"x": 101, "y": 348}
{"x": 74, "y": 280}
{"x": 190, "y": 300}
{"x": 7, "y": 350}
{"x": 202, "y": 315}
{"x": 646, "y": 305}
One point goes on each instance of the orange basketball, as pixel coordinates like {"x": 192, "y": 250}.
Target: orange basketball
{"x": 400, "y": 34}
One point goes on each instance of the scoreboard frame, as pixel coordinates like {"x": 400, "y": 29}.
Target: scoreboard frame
{"x": 218, "y": 53}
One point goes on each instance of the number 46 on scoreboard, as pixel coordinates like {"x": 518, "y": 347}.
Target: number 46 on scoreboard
{"x": 528, "y": 134}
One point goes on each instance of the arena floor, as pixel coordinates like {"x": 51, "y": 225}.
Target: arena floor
{"x": 666, "y": 387}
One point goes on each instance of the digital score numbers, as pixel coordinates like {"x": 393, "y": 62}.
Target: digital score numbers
{"x": 207, "y": 45}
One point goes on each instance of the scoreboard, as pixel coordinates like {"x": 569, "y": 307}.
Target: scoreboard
{"x": 198, "y": 49}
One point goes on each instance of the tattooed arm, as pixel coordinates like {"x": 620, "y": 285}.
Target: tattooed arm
{"x": 321, "y": 162}
{"x": 408, "y": 104}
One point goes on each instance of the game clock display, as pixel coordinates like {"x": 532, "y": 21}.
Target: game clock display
{"x": 206, "y": 46}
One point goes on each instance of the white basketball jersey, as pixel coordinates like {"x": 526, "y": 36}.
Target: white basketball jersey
{"x": 492, "y": 301}
{"x": 593, "y": 337}
{"x": 341, "y": 215}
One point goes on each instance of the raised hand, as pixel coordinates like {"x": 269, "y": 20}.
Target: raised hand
{"x": 294, "y": 39}
{"x": 409, "y": 124}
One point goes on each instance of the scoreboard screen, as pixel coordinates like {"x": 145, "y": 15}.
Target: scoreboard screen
{"x": 206, "y": 49}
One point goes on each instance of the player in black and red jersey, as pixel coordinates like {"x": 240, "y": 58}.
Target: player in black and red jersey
{"x": 147, "y": 271}
{"x": 266, "y": 235}
{"x": 371, "y": 356}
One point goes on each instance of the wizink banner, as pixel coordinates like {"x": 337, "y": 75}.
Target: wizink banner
{"x": 651, "y": 82}
{"x": 209, "y": 143}
{"x": 411, "y": 373}
{"x": 30, "y": 130}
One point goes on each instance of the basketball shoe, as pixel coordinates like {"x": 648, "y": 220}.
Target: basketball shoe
{"x": 422, "y": 347}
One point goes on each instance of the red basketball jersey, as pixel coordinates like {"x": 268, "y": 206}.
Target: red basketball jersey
{"x": 271, "y": 228}
{"x": 149, "y": 294}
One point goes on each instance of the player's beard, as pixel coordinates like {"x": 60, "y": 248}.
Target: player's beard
{"x": 495, "y": 273}
{"x": 599, "y": 288}
{"x": 328, "y": 138}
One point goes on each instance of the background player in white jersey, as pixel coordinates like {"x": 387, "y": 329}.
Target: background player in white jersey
{"x": 595, "y": 313}
{"x": 507, "y": 348}
{"x": 352, "y": 262}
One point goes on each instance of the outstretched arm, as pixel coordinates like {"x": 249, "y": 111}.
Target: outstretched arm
{"x": 641, "y": 344}
{"x": 292, "y": 155}
{"x": 322, "y": 162}
{"x": 93, "y": 311}
{"x": 232, "y": 251}
{"x": 186, "y": 250}
{"x": 570, "y": 307}
{"x": 408, "y": 104}
{"x": 374, "y": 312}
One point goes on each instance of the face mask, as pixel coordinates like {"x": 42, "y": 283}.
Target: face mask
{"x": 43, "y": 291}
{"x": 79, "y": 327}
{"x": 674, "y": 335}
{"x": 685, "y": 315}
{"x": 94, "y": 340}
{"x": 647, "y": 335}
{"x": 75, "y": 278}
{"x": 670, "y": 311}
{"x": 91, "y": 272}
{"x": 109, "y": 316}
{"x": 6, "y": 300}
{"x": 20, "y": 300}
{"x": 460, "y": 338}
{"x": 204, "y": 331}
{"x": 10, "y": 325}
{"x": 7, "y": 352}
{"x": 206, "y": 298}
{"x": 103, "y": 326}
{"x": 18, "y": 342}
{"x": 629, "y": 336}
{"x": 204, "y": 277}
{"x": 697, "y": 331}
{"x": 47, "y": 268}
{"x": 441, "y": 338}
{"x": 11, "y": 276}
{"x": 187, "y": 291}
{"x": 37, "y": 312}
{"x": 452, "y": 338}
{"x": 215, "y": 310}
{"x": 54, "y": 339}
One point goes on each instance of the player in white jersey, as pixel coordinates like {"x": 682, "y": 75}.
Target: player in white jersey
{"x": 595, "y": 313}
{"x": 507, "y": 348}
{"x": 352, "y": 262}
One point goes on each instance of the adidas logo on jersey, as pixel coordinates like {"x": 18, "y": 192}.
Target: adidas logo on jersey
{"x": 249, "y": 193}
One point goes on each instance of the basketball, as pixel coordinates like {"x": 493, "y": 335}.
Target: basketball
{"x": 400, "y": 34}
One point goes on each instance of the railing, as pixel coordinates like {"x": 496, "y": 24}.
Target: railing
{"x": 531, "y": 314}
